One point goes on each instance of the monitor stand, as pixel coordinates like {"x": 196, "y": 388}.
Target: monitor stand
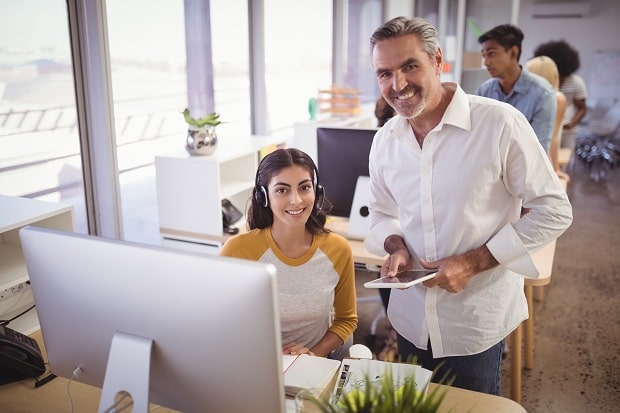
{"x": 128, "y": 371}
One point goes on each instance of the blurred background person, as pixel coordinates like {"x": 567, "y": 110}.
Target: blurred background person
{"x": 511, "y": 83}
{"x": 571, "y": 84}
{"x": 545, "y": 67}
{"x": 383, "y": 111}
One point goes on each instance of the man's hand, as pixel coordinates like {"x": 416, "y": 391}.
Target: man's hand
{"x": 399, "y": 257}
{"x": 455, "y": 272}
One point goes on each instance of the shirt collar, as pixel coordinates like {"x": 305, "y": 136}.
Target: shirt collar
{"x": 458, "y": 113}
{"x": 522, "y": 83}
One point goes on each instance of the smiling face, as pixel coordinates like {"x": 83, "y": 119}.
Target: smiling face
{"x": 497, "y": 60}
{"x": 408, "y": 77}
{"x": 291, "y": 196}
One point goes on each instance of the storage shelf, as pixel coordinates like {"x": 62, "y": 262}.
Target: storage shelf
{"x": 193, "y": 213}
{"x": 16, "y": 213}
{"x": 230, "y": 189}
{"x": 12, "y": 266}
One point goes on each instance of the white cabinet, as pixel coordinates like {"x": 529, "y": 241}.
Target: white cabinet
{"x": 16, "y": 213}
{"x": 190, "y": 190}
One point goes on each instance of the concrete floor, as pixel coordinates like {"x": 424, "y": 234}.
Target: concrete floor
{"x": 577, "y": 325}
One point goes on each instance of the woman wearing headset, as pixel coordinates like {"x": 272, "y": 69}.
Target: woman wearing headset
{"x": 315, "y": 270}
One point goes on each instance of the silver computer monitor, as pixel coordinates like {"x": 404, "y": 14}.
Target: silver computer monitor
{"x": 203, "y": 331}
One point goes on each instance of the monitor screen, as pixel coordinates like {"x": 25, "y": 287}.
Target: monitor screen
{"x": 342, "y": 156}
{"x": 212, "y": 322}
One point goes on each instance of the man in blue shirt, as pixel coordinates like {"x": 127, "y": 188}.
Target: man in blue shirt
{"x": 531, "y": 94}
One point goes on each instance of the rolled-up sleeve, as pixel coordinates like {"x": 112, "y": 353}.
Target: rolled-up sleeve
{"x": 509, "y": 251}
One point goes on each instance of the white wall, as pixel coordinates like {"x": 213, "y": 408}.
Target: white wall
{"x": 598, "y": 31}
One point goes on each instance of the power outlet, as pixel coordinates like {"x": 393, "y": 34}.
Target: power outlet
{"x": 16, "y": 289}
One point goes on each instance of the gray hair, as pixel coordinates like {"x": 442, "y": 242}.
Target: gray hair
{"x": 402, "y": 26}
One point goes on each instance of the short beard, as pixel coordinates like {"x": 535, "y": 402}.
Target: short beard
{"x": 417, "y": 109}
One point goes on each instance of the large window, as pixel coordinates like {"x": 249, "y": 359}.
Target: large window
{"x": 298, "y": 59}
{"x": 40, "y": 154}
{"x": 231, "y": 65}
{"x": 39, "y": 142}
{"x": 149, "y": 85}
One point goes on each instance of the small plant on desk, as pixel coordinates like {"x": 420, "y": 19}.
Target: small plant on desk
{"x": 381, "y": 396}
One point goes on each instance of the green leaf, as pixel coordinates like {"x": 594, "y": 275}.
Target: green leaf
{"x": 381, "y": 397}
{"x": 211, "y": 119}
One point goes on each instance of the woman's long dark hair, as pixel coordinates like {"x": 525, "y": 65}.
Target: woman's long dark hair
{"x": 261, "y": 216}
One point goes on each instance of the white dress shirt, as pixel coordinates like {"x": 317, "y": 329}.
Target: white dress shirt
{"x": 464, "y": 189}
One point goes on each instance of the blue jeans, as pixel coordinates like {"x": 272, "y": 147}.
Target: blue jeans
{"x": 479, "y": 372}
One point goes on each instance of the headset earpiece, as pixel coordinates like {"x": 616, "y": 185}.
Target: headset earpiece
{"x": 260, "y": 194}
{"x": 319, "y": 198}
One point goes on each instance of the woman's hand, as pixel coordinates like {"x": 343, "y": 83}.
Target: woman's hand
{"x": 295, "y": 349}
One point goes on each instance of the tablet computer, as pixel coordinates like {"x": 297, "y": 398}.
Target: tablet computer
{"x": 402, "y": 280}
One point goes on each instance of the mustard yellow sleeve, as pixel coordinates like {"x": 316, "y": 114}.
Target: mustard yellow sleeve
{"x": 339, "y": 251}
{"x": 250, "y": 245}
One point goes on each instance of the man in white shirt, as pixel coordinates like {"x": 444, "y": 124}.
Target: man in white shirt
{"x": 449, "y": 174}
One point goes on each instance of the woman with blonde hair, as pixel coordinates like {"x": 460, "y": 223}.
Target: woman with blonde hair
{"x": 545, "y": 67}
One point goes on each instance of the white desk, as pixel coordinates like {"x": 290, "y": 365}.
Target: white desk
{"x": 360, "y": 255}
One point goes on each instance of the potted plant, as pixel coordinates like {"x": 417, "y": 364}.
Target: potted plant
{"x": 383, "y": 396}
{"x": 201, "y": 135}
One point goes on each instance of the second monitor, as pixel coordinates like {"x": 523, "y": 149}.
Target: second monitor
{"x": 342, "y": 156}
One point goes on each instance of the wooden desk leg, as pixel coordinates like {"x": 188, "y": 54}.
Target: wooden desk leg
{"x": 539, "y": 293}
{"x": 528, "y": 333}
{"x": 515, "y": 365}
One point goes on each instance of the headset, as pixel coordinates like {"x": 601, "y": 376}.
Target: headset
{"x": 262, "y": 198}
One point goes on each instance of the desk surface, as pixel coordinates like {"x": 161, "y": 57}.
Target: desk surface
{"x": 23, "y": 397}
{"x": 360, "y": 255}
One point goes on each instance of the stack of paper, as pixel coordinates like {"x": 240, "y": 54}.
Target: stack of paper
{"x": 353, "y": 373}
{"x": 309, "y": 375}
